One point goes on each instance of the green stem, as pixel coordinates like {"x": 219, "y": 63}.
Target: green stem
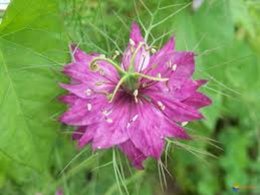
{"x": 122, "y": 80}
{"x": 116, "y": 66}
{"x": 150, "y": 77}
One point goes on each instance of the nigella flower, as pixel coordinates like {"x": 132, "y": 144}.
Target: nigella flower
{"x": 134, "y": 104}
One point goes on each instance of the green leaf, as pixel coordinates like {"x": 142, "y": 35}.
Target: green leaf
{"x": 32, "y": 50}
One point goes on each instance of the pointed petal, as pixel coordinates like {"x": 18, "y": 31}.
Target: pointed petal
{"x": 134, "y": 154}
{"x": 89, "y": 133}
{"x": 137, "y": 54}
{"x": 112, "y": 128}
{"x": 84, "y": 112}
{"x": 145, "y": 130}
{"x": 79, "y": 132}
{"x": 197, "y": 100}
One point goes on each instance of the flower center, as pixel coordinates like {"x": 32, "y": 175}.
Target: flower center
{"x": 129, "y": 80}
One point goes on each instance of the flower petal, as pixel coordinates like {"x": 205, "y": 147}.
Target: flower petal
{"x": 158, "y": 61}
{"x": 112, "y": 128}
{"x": 88, "y": 135}
{"x": 84, "y": 112}
{"x": 137, "y": 54}
{"x": 134, "y": 154}
{"x": 145, "y": 130}
{"x": 198, "y": 100}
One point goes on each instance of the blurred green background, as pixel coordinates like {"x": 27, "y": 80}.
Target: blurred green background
{"x": 37, "y": 155}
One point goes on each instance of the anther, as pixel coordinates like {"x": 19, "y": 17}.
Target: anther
{"x": 89, "y": 107}
{"x": 131, "y": 42}
{"x": 135, "y": 95}
{"x": 153, "y": 50}
{"x": 106, "y": 112}
{"x": 174, "y": 67}
{"x": 94, "y": 67}
{"x": 115, "y": 54}
{"x": 134, "y": 118}
{"x": 99, "y": 83}
{"x": 161, "y": 105}
{"x": 109, "y": 120}
{"x": 88, "y": 92}
{"x": 184, "y": 123}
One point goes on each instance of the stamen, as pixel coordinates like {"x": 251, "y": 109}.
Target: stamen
{"x": 99, "y": 83}
{"x": 134, "y": 118}
{"x": 131, "y": 42}
{"x": 150, "y": 77}
{"x": 161, "y": 105}
{"x": 94, "y": 67}
{"x": 89, "y": 107}
{"x": 153, "y": 50}
{"x": 159, "y": 75}
{"x": 184, "y": 123}
{"x": 174, "y": 67}
{"x": 109, "y": 120}
{"x": 135, "y": 95}
{"x": 101, "y": 72}
{"x": 144, "y": 85}
{"x": 115, "y": 54}
{"x": 88, "y": 92}
{"x": 106, "y": 112}
{"x": 128, "y": 125}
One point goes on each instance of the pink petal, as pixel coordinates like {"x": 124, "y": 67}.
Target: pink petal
{"x": 198, "y": 100}
{"x": 139, "y": 56}
{"x": 134, "y": 154}
{"x": 112, "y": 130}
{"x": 79, "y": 132}
{"x": 88, "y": 135}
{"x": 84, "y": 112}
{"x": 146, "y": 130}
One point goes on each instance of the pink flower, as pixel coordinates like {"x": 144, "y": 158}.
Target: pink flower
{"x": 134, "y": 105}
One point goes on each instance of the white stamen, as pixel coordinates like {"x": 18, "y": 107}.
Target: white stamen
{"x": 99, "y": 83}
{"x": 134, "y": 118}
{"x": 159, "y": 75}
{"x": 153, "y": 50}
{"x": 184, "y": 123}
{"x": 161, "y": 105}
{"x": 128, "y": 125}
{"x": 88, "y": 92}
{"x": 89, "y": 106}
{"x": 109, "y": 120}
{"x": 174, "y": 67}
{"x": 106, "y": 112}
{"x": 101, "y": 72}
{"x": 169, "y": 64}
{"x": 131, "y": 42}
{"x": 102, "y": 56}
{"x": 117, "y": 52}
{"x": 135, "y": 95}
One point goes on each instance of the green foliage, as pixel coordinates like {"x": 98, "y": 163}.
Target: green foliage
{"x": 33, "y": 47}
{"x": 36, "y": 153}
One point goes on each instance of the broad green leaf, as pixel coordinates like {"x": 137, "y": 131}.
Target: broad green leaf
{"x": 32, "y": 50}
